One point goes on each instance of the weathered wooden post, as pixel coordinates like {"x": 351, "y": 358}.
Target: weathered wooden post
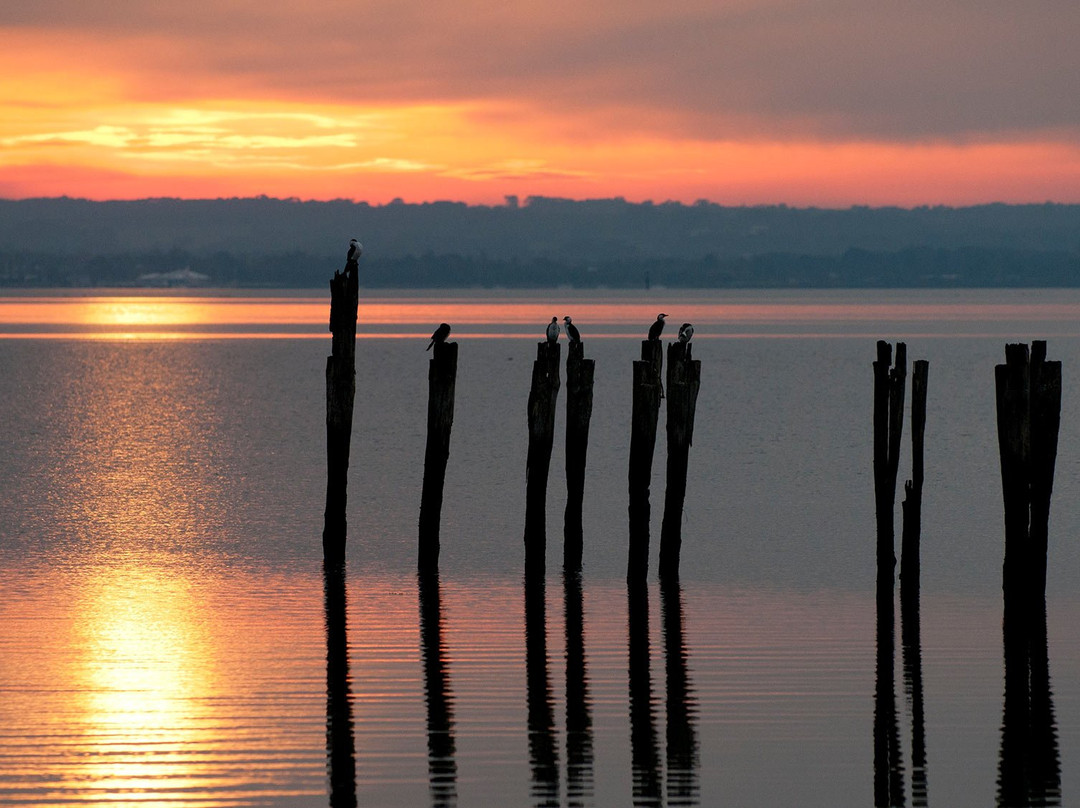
{"x": 912, "y": 504}
{"x": 1028, "y": 419}
{"x": 1045, "y": 424}
{"x": 542, "y": 399}
{"x": 888, "y": 429}
{"x": 579, "y": 398}
{"x": 683, "y": 382}
{"x": 340, "y": 393}
{"x": 645, "y": 412}
{"x": 442, "y": 373}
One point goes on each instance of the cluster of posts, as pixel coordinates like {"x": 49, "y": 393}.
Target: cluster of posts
{"x": 682, "y": 384}
{"x": 1028, "y": 394}
{"x": 681, "y": 390}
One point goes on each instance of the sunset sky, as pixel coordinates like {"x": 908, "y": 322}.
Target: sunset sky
{"x": 830, "y": 102}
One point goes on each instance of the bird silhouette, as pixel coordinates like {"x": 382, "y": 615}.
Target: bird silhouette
{"x": 440, "y": 335}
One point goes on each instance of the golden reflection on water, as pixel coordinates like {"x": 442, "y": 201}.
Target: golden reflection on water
{"x": 143, "y": 683}
{"x": 714, "y": 312}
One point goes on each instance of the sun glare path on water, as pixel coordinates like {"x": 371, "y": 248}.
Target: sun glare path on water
{"x": 714, "y": 313}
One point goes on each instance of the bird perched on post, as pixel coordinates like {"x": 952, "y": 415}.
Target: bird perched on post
{"x": 553, "y": 330}
{"x": 440, "y": 335}
{"x": 355, "y": 249}
{"x": 686, "y": 332}
{"x": 658, "y": 327}
{"x": 571, "y": 330}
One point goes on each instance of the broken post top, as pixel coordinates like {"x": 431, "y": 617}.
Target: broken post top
{"x": 344, "y": 297}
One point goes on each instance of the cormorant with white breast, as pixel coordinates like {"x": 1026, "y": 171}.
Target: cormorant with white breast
{"x": 553, "y": 330}
{"x": 355, "y": 249}
{"x": 686, "y": 332}
{"x": 658, "y": 327}
{"x": 571, "y": 330}
{"x": 440, "y": 335}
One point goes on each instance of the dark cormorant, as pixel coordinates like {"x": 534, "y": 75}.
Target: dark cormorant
{"x": 657, "y": 328}
{"x": 440, "y": 335}
{"x": 571, "y": 330}
{"x": 553, "y": 330}
{"x": 686, "y": 332}
{"x": 355, "y": 248}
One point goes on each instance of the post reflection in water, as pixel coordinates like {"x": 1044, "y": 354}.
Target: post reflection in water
{"x": 911, "y": 641}
{"x": 644, "y": 752}
{"x": 442, "y": 763}
{"x": 543, "y": 752}
{"x": 888, "y": 765}
{"x": 579, "y": 737}
{"x": 1029, "y": 767}
{"x": 340, "y": 745}
{"x": 682, "y": 744}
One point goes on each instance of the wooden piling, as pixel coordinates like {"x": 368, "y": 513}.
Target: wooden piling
{"x": 442, "y": 373}
{"x": 543, "y": 396}
{"x": 340, "y": 393}
{"x": 645, "y": 412}
{"x": 1028, "y": 419}
{"x": 1045, "y": 411}
{"x": 579, "y": 399}
{"x": 912, "y": 504}
{"x": 889, "y": 385}
{"x": 683, "y": 382}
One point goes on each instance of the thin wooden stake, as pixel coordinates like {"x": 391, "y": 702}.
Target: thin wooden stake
{"x": 340, "y": 393}
{"x": 579, "y": 401}
{"x": 442, "y": 375}
{"x": 645, "y": 413}
{"x": 542, "y": 399}
{"x": 683, "y": 383}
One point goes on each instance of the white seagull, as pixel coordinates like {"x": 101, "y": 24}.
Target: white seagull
{"x": 553, "y": 330}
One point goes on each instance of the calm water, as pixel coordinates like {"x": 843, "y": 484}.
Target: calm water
{"x": 168, "y": 637}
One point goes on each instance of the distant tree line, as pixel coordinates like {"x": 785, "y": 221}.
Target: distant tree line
{"x": 930, "y": 267}
{"x": 536, "y": 242}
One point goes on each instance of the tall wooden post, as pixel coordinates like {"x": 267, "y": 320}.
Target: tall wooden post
{"x": 683, "y": 382}
{"x": 1045, "y": 425}
{"x": 579, "y": 399}
{"x": 646, "y": 411}
{"x": 340, "y": 393}
{"x": 888, "y": 428}
{"x": 912, "y": 504}
{"x": 442, "y": 373}
{"x": 1028, "y": 419}
{"x": 542, "y": 399}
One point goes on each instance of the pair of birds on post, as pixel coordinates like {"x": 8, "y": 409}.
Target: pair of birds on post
{"x": 571, "y": 330}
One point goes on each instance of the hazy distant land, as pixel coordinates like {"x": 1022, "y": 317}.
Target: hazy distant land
{"x": 537, "y": 242}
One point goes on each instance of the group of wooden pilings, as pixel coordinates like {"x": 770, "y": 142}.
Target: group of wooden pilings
{"x": 1028, "y": 398}
{"x": 889, "y": 387}
{"x": 683, "y": 383}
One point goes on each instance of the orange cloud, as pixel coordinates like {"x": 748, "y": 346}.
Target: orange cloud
{"x": 564, "y": 99}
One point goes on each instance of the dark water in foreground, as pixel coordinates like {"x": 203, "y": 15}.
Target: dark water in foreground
{"x": 168, "y": 637}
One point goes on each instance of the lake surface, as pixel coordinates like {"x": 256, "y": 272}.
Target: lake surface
{"x": 168, "y": 635}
